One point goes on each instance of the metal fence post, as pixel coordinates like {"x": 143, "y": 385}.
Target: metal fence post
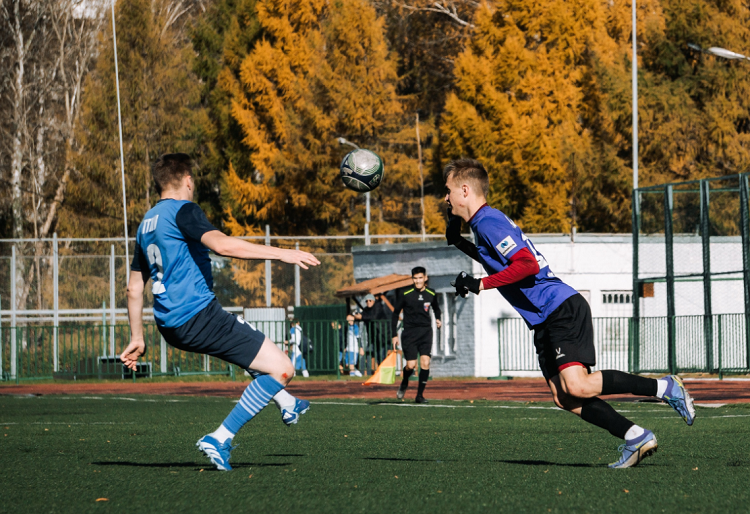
{"x": 13, "y": 327}
{"x": 635, "y": 332}
{"x": 669, "y": 242}
{"x": 56, "y": 302}
{"x": 296, "y": 280}
{"x": 268, "y": 268}
{"x": 104, "y": 329}
{"x": 745, "y": 232}
{"x": 163, "y": 355}
{"x": 112, "y": 318}
{"x": 708, "y": 329}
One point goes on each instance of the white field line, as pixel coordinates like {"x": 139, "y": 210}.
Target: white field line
{"x": 69, "y": 423}
{"x": 123, "y": 398}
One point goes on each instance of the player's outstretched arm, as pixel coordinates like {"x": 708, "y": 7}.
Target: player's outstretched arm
{"x": 239, "y": 249}
{"x": 137, "y": 346}
{"x": 454, "y": 237}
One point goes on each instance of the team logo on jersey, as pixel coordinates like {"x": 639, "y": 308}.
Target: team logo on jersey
{"x": 505, "y": 246}
{"x": 426, "y": 306}
{"x": 559, "y": 355}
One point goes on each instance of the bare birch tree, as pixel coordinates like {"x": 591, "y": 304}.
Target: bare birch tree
{"x": 48, "y": 46}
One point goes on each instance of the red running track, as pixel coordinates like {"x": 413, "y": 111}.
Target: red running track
{"x": 524, "y": 390}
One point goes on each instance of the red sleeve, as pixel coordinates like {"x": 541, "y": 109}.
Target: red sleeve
{"x": 522, "y": 265}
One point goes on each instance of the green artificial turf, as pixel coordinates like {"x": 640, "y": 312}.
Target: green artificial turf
{"x": 60, "y": 454}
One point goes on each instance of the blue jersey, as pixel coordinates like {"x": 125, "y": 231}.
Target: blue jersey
{"x": 498, "y": 239}
{"x": 168, "y": 247}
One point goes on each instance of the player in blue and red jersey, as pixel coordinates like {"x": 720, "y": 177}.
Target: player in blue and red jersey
{"x": 172, "y": 250}
{"x": 558, "y": 315}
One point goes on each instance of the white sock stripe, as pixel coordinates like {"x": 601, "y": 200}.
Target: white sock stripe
{"x": 256, "y": 400}
{"x": 250, "y": 406}
{"x": 262, "y": 396}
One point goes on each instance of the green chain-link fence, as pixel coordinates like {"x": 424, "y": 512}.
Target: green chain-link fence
{"x": 691, "y": 263}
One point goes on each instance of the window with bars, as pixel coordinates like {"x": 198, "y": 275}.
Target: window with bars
{"x": 617, "y": 297}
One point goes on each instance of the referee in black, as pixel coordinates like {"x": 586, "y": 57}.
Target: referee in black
{"x": 417, "y": 335}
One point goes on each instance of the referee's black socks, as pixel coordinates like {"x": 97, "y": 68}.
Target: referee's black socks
{"x": 424, "y": 374}
{"x": 405, "y": 375}
{"x": 617, "y": 382}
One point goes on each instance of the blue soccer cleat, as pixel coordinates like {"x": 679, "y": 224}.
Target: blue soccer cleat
{"x": 291, "y": 417}
{"x": 679, "y": 399}
{"x": 633, "y": 454}
{"x": 216, "y": 451}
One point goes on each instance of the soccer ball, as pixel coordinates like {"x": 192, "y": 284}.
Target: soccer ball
{"x": 361, "y": 170}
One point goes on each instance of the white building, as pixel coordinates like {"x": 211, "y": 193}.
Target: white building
{"x": 598, "y": 266}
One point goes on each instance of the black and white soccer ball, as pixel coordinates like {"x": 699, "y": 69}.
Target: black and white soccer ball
{"x": 362, "y": 170}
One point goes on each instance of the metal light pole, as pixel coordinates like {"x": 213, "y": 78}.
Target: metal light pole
{"x": 344, "y": 141}
{"x": 634, "y": 68}
{"x": 122, "y": 158}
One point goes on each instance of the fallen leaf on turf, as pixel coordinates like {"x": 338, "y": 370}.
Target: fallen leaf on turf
{"x": 625, "y": 491}
{"x": 471, "y": 401}
{"x": 546, "y": 471}
{"x": 440, "y": 491}
{"x": 102, "y": 499}
{"x": 251, "y": 476}
{"x": 559, "y": 492}
{"x": 46, "y": 429}
{"x": 695, "y": 469}
{"x": 201, "y": 471}
{"x": 355, "y": 486}
{"x": 346, "y": 435}
{"x": 396, "y": 476}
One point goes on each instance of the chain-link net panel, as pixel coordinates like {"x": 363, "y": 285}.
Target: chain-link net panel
{"x": 727, "y": 294}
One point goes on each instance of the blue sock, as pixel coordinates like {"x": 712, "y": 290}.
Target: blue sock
{"x": 282, "y": 399}
{"x": 256, "y": 396}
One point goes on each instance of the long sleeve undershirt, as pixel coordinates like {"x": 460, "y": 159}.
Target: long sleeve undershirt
{"x": 522, "y": 265}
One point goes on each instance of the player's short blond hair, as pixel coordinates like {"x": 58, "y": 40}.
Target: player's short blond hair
{"x": 468, "y": 170}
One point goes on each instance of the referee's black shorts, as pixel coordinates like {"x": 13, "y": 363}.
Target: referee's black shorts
{"x": 416, "y": 341}
{"x": 214, "y": 331}
{"x": 566, "y": 338}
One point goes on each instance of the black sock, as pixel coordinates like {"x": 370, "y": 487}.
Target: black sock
{"x": 598, "y": 412}
{"x": 617, "y": 382}
{"x": 405, "y": 378}
{"x": 424, "y": 374}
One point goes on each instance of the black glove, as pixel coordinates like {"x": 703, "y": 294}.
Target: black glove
{"x": 453, "y": 229}
{"x": 465, "y": 283}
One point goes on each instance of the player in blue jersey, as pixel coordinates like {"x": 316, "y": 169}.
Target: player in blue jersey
{"x": 172, "y": 250}
{"x": 558, "y": 315}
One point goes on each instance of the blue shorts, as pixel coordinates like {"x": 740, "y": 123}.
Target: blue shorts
{"x": 214, "y": 331}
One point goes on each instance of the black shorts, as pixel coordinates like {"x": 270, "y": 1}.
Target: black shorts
{"x": 567, "y": 336}
{"x": 214, "y": 331}
{"x": 416, "y": 340}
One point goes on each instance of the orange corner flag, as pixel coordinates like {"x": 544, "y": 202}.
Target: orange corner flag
{"x": 386, "y": 372}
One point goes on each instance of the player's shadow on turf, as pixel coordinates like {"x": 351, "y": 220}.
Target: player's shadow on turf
{"x": 190, "y": 464}
{"x": 399, "y": 459}
{"x": 548, "y": 463}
